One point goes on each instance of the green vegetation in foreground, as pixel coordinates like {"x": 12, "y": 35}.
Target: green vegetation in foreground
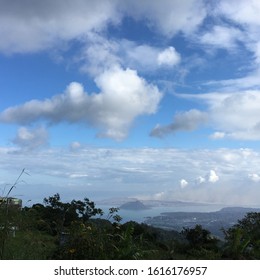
{"x": 78, "y": 230}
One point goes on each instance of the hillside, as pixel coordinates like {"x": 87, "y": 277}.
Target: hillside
{"x": 212, "y": 221}
{"x": 133, "y": 205}
{"x": 78, "y": 230}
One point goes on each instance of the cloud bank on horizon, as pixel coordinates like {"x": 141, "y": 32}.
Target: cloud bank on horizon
{"x": 145, "y": 73}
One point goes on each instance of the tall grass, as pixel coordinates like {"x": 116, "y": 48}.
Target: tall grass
{"x": 5, "y": 225}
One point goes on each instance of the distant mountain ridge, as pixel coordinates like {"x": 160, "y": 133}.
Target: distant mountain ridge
{"x": 239, "y": 209}
{"x": 213, "y": 221}
{"x": 148, "y": 203}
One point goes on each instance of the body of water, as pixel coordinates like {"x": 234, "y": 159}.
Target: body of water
{"x": 141, "y": 215}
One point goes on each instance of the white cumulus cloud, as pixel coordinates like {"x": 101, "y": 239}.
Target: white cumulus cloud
{"x": 38, "y": 25}
{"x": 123, "y": 96}
{"x": 212, "y": 176}
{"x": 35, "y": 25}
{"x": 233, "y": 115}
{"x": 237, "y": 115}
{"x": 200, "y": 180}
{"x": 183, "y": 183}
{"x": 168, "y": 57}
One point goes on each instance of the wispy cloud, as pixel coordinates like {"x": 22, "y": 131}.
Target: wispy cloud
{"x": 139, "y": 173}
{"x": 222, "y": 36}
{"x": 99, "y": 54}
{"x": 30, "y": 139}
{"x": 188, "y": 15}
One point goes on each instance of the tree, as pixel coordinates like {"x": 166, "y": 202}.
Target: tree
{"x": 60, "y": 215}
{"x": 199, "y": 237}
{"x": 243, "y": 239}
{"x": 90, "y": 238}
{"x": 201, "y": 243}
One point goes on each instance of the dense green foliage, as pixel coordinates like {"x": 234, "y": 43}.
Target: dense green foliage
{"x": 77, "y": 230}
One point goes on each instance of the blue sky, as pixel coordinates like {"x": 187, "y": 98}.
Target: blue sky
{"x": 147, "y": 99}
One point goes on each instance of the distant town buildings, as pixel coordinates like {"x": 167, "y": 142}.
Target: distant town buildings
{"x": 11, "y": 201}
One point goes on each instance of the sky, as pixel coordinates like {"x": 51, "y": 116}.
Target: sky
{"x": 146, "y": 99}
